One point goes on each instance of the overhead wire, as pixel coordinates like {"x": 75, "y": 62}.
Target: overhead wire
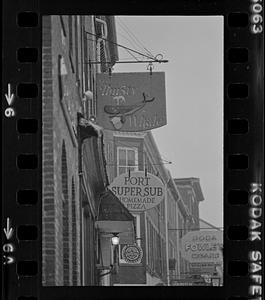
{"x": 94, "y": 40}
{"x": 133, "y": 45}
{"x": 124, "y": 47}
{"x": 134, "y": 40}
{"x": 152, "y": 58}
{"x": 133, "y": 36}
{"x": 132, "y": 55}
{"x": 214, "y": 228}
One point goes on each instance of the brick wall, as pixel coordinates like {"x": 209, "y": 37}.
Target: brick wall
{"x": 61, "y": 207}
{"x": 48, "y": 201}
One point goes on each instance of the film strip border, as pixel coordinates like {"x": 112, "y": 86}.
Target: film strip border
{"x": 243, "y": 107}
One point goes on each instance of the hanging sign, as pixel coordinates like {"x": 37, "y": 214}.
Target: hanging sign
{"x": 202, "y": 268}
{"x": 138, "y": 191}
{"x": 131, "y": 101}
{"x": 132, "y": 254}
{"x": 202, "y": 246}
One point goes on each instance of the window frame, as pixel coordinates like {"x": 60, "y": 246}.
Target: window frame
{"x": 126, "y": 166}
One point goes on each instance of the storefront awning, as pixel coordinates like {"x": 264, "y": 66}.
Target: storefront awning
{"x": 114, "y": 217}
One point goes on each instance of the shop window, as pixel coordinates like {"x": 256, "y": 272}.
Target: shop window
{"x": 127, "y": 159}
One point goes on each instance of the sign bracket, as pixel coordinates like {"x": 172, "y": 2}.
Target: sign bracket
{"x": 128, "y": 62}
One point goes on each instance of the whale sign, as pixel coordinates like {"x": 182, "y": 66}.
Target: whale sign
{"x": 131, "y": 101}
{"x": 138, "y": 191}
{"x": 202, "y": 246}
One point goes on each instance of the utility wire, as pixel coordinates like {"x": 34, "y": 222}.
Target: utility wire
{"x": 130, "y": 34}
{"x": 127, "y": 40}
{"x": 132, "y": 55}
{"x": 137, "y": 59}
{"x": 124, "y": 47}
{"x": 128, "y": 166}
{"x": 134, "y": 37}
{"x": 191, "y": 229}
{"x": 94, "y": 40}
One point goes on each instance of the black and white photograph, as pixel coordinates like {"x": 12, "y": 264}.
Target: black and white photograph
{"x": 132, "y": 150}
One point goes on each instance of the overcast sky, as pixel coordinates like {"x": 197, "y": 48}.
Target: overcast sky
{"x": 193, "y": 138}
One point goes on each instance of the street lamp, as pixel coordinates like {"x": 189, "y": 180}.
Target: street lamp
{"x": 115, "y": 240}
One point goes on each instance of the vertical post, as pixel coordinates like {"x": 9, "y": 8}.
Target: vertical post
{"x": 166, "y": 219}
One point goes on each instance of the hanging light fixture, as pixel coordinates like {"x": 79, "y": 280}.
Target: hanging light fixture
{"x": 115, "y": 239}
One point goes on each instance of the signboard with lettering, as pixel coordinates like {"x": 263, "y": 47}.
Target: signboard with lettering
{"x": 202, "y": 246}
{"x": 138, "y": 191}
{"x": 132, "y": 254}
{"x": 202, "y": 268}
{"x": 131, "y": 101}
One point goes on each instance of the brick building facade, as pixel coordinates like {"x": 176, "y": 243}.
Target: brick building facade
{"x": 74, "y": 175}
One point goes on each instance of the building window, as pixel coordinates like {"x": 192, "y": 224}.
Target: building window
{"x": 63, "y": 31}
{"x": 101, "y": 44}
{"x": 86, "y": 72}
{"x": 148, "y": 165}
{"x": 181, "y": 227}
{"x": 62, "y": 72}
{"x": 127, "y": 159}
{"x": 76, "y": 50}
{"x": 62, "y": 25}
{"x": 70, "y": 30}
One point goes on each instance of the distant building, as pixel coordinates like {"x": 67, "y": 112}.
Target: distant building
{"x": 191, "y": 195}
{"x": 159, "y": 229}
{"x": 138, "y": 151}
{"x": 178, "y": 217}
